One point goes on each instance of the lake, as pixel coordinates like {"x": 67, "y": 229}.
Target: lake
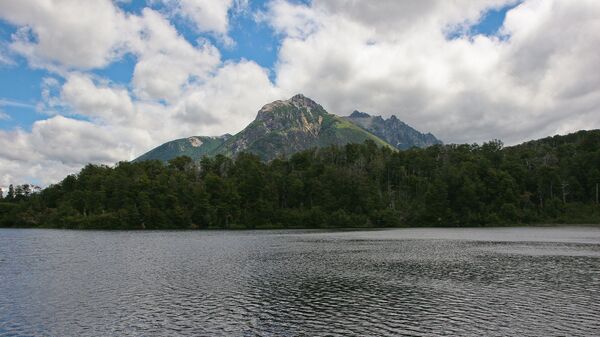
{"x": 525, "y": 281}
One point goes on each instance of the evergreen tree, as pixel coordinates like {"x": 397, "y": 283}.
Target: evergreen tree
{"x": 10, "y": 196}
{"x": 357, "y": 185}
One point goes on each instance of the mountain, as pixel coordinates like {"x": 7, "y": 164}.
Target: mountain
{"x": 284, "y": 127}
{"x": 393, "y": 131}
{"x": 193, "y": 147}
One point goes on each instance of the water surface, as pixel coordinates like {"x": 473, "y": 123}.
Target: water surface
{"x": 413, "y": 282}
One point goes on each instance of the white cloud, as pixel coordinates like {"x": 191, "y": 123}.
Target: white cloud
{"x": 395, "y": 58}
{"x": 102, "y": 102}
{"x": 83, "y": 34}
{"x": 166, "y": 61}
{"x": 386, "y": 57}
{"x": 62, "y": 145}
{"x": 5, "y": 59}
{"x": 62, "y": 35}
{"x": 73, "y": 141}
{"x": 39, "y": 172}
{"x": 122, "y": 128}
{"x": 229, "y": 101}
{"x": 13, "y": 103}
{"x": 208, "y": 15}
{"x": 123, "y": 122}
{"x": 66, "y": 140}
{"x": 292, "y": 20}
{"x": 225, "y": 102}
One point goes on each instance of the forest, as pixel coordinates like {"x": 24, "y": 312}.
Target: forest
{"x": 554, "y": 180}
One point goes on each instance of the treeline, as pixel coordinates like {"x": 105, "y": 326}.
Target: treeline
{"x": 554, "y": 180}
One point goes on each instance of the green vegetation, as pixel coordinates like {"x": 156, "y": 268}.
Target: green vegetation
{"x": 392, "y": 130}
{"x": 553, "y": 180}
{"x": 282, "y": 128}
{"x": 194, "y": 147}
{"x": 342, "y": 132}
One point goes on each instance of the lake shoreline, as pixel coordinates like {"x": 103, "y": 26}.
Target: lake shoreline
{"x": 267, "y": 228}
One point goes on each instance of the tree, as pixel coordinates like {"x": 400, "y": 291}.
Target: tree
{"x": 181, "y": 163}
{"x": 550, "y": 180}
{"x": 10, "y": 196}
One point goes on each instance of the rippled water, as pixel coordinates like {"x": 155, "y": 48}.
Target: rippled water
{"x": 417, "y": 282}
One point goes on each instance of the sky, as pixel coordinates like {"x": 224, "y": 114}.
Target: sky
{"x": 105, "y": 81}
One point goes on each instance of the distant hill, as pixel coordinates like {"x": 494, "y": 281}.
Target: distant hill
{"x": 583, "y": 139}
{"x": 193, "y": 147}
{"x": 393, "y": 131}
{"x": 284, "y": 127}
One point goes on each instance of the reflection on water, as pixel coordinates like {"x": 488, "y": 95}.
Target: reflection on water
{"x": 418, "y": 282}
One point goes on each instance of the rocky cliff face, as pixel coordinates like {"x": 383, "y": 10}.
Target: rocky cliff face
{"x": 393, "y": 131}
{"x": 281, "y": 128}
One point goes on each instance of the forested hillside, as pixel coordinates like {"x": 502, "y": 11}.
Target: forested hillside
{"x": 553, "y": 180}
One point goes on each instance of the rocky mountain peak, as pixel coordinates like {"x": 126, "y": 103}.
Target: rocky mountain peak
{"x": 299, "y": 100}
{"x": 296, "y": 106}
{"x": 358, "y": 114}
{"x": 393, "y": 130}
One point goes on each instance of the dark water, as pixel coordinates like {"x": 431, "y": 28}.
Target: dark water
{"x": 417, "y": 282}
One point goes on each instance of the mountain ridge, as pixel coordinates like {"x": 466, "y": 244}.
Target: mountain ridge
{"x": 193, "y": 146}
{"x": 284, "y": 127}
{"x": 393, "y": 130}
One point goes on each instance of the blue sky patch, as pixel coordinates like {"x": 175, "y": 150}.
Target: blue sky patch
{"x": 21, "y": 85}
{"x": 120, "y": 71}
{"x": 253, "y": 41}
{"x": 490, "y": 24}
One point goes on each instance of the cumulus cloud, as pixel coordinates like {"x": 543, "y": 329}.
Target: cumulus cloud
{"x": 166, "y": 61}
{"x": 396, "y": 58}
{"x": 229, "y": 101}
{"x": 101, "y": 102}
{"x": 121, "y": 128}
{"x": 394, "y": 18}
{"x": 208, "y": 15}
{"x": 75, "y": 141}
{"x": 536, "y": 77}
{"x": 62, "y": 144}
{"x": 225, "y": 102}
{"x": 292, "y": 20}
{"x": 84, "y": 34}
{"x": 62, "y": 35}
{"x": 178, "y": 88}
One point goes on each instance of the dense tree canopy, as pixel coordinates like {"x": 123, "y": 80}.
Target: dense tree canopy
{"x": 553, "y": 180}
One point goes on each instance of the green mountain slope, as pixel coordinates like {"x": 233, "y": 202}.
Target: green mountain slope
{"x": 393, "y": 131}
{"x": 193, "y": 147}
{"x": 282, "y": 128}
